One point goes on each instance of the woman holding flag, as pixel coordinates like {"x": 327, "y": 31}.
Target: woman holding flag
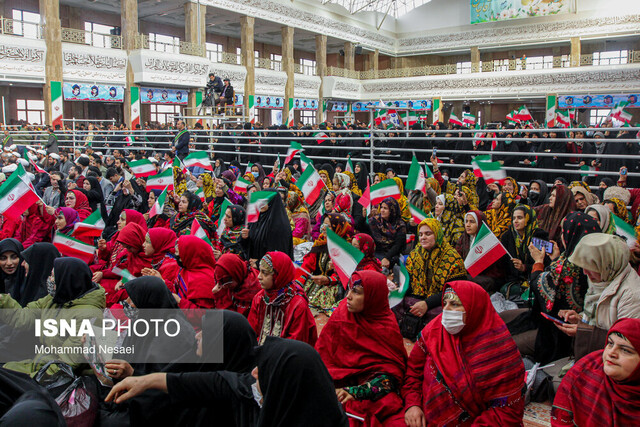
{"x": 196, "y": 276}
{"x": 234, "y": 221}
{"x": 190, "y": 209}
{"x": 389, "y": 232}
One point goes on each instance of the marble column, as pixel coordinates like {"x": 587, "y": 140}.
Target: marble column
{"x": 374, "y": 65}
{"x": 475, "y": 59}
{"x": 129, "y": 32}
{"x": 321, "y": 71}
{"x": 349, "y": 56}
{"x": 50, "y": 18}
{"x": 575, "y": 51}
{"x": 288, "y": 64}
{"x": 247, "y": 24}
{"x": 195, "y": 33}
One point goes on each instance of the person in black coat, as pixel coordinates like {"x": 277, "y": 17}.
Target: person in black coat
{"x": 180, "y": 145}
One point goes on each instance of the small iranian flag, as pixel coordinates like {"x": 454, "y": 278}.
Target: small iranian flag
{"x": 276, "y": 165}
{"x": 454, "y": 119}
{"x": 125, "y": 275}
{"x": 220, "y": 222}
{"x": 562, "y": 117}
{"x": 417, "y": 214}
{"x": 294, "y": 149}
{"x": 200, "y": 193}
{"x": 436, "y": 110}
{"x": 198, "y": 159}
{"x": 198, "y": 231}
{"x": 257, "y": 200}
{"x": 92, "y": 226}
{"x": 410, "y": 238}
{"x": 387, "y": 188}
{"x": 17, "y": 194}
{"x": 320, "y": 137}
{"x": 344, "y": 256}
{"x": 248, "y": 169}
{"x": 161, "y": 181}
{"x": 523, "y": 114}
{"x": 416, "y": 180}
{"x": 349, "y": 166}
{"x": 305, "y": 161}
{"x": 427, "y": 170}
{"x": 142, "y": 168}
{"x": 310, "y": 184}
{"x": 551, "y": 115}
{"x": 395, "y": 297}
{"x": 512, "y": 117}
{"x": 37, "y": 168}
{"x": 468, "y": 118}
{"x": 241, "y": 185}
{"x": 409, "y": 118}
{"x": 619, "y": 113}
{"x": 158, "y": 206}
{"x": 484, "y": 251}
{"x": 68, "y": 246}
{"x": 490, "y": 171}
{"x": 623, "y": 229}
{"x": 365, "y": 199}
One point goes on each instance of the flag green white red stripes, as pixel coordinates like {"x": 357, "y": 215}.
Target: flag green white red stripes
{"x": 490, "y": 171}
{"x": 320, "y": 137}
{"x": 158, "y": 206}
{"x": 37, "y": 168}
{"x": 142, "y": 168}
{"x": 257, "y": 200}
{"x": 16, "y": 194}
{"x": 454, "y": 119}
{"x": 310, "y": 184}
{"x": 436, "y": 110}
{"x": 396, "y": 297}
{"x": 198, "y": 159}
{"x": 417, "y": 214}
{"x": 161, "y": 181}
{"x": 524, "y": 114}
{"x": 125, "y": 275}
{"x": 92, "y": 226}
{"x": 349, "y": 166}
{"x": 198, "y": 105}
{"x": 251, "y": 103}
{"x": 550, "y": 117}
{"x": 387, "y": 188}
{"x": 619, "y": 113}
{"x": 56, "y": 103}
{"x": 468, "y": 118}
{"x": 562, "y": 118}
{"x": 305, "y": 161}
{"x": 344, "y": 256}
{"x": 241, "y": 185}
{"x": 135, "y": 106}
{"x": 200, "y": 194}
{"x": 512, "y": 117}
{"x": 484, "y": 251}
{"x": 220, "y": 222}
{"x": 294, "y": 149}
{"x": 68, "y": 246}
{"x": 290, "y": 116}
{"x": 365, "y": 199}
{"x": 409, "y": 118}
{"x": 248, "y": 168}
{"x": 198, "y": 231}
{"x": 427, "y": 170}
{"x": 416, "y": 180}
{"x": 625, "y": 230}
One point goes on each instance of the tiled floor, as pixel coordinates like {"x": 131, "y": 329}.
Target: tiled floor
{"x": 535, "y": 414}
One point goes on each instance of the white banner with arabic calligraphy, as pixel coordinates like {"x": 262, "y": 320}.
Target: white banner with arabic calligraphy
{"x": 94, "y": 65}
{"x": 22, "y": 59}
{"x": 502, "y": 10}
{"x": 158, "y": 68}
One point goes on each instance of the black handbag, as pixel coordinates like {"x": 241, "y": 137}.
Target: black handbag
{"x": 410, "y": 326}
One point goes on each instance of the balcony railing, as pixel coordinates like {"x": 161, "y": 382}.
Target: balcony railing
{"x": 185, "y": 48}
{"x": 230, "y": 58}
{"x": 13, "y": 27}
{"x": 72, "y": 35}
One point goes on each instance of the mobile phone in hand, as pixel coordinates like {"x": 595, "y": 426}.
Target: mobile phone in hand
{"x": 542, "y": 244}
{"x": 553, "y": 319}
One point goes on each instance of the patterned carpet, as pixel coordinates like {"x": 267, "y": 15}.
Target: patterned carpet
{"x": 535, "y": 414}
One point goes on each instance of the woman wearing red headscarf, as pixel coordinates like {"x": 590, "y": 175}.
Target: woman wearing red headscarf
{"x": 109, "y": 252}
{"x": 196, "y": 277}
{"x": 132, "y": 259}
{"x": 603, "y": 388}
{"x": 365, "y": 244}
{"x": 159, "y": 245}
{"x": 363, "y": 350}
{"x": 281, "y": 309}
{"x": 236, "y": 284}
{"x": 465, "y": 369}
{"x": 77, "y": 200}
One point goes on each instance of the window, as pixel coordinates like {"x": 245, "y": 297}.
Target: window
{"x": 308, "y": 117}
{"x": 26, "y": 24}
{"x": 256, "y": 55}
{"x": 98, "y": 35}
{"x": 308, "y": 66}
{"x": 163, "y": 43}
{"x": 534, "y": 63}
{"x": 611, "y": 58}
{"x": 500, "y": 65}
{"x": 164, "y": 113}
{"x": 239, "y": 54}
{"x": 598, "y": 116}
{"x": 276, "y": 117}
{"x": 30, "y": 110}
{"x": 463, "y": 67}
{"x": 565, "y": 61}
{"x": 276, "y": 62}
{"x": 214, "y": 52}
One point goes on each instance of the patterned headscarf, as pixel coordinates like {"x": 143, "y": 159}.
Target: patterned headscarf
{"x": 353, "y": 186}
{"x": 430, "y": 270}
{"x": 208, "y": 185}
{"x": 620, "y": 208}
{"x": 522, "y": 243}
{"x": 499, "y": 219}
{"x": 179, "y": 181}
{"x": 339, "y": 225}
{"x": 452, "y": 219}
{"x": 343, "y": 182}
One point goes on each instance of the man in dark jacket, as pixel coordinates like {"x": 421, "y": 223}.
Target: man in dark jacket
{"x": 52, "y": 142}
{"x": 180, "y": 145}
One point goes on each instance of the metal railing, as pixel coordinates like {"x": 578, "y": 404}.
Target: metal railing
{"x": 72, "y": 35}
{"x": 12, "y": 27}
{"x": 375, "y": 147}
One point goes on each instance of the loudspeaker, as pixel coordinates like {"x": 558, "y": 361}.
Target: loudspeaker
{"x": 341, "y": 52}
{"x": 358, "y": 50}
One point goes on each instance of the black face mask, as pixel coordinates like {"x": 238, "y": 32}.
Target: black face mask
{"x": 534, "y": 196}
{"x": 179, "y": 261}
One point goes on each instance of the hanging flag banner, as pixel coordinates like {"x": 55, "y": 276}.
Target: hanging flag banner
{"x": 597, "y": 101}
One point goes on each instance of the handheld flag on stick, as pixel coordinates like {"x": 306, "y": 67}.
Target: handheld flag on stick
{"x": 344, "y": 256}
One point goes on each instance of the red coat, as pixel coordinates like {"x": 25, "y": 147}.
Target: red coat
{"x": 33, "y": 228}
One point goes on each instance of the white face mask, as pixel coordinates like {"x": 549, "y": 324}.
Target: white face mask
{"x": 452, "y": 321}
{"x": 257, "y": 396}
